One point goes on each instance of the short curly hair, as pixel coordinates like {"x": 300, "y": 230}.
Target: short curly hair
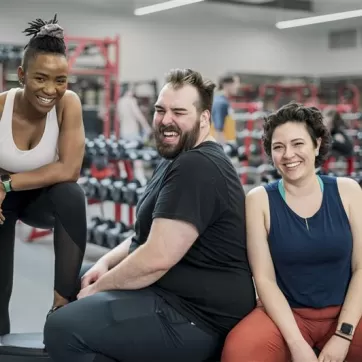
{"x": 295, "y": 112}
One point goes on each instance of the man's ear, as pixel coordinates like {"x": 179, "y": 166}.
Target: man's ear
{"x": 204, "y": 119}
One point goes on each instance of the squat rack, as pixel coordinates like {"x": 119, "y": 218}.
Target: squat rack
{"x": 109, "y": 49}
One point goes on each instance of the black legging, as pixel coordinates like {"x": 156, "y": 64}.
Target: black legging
{"x": 61, "y": 207}
{"x": 126, "y": 326}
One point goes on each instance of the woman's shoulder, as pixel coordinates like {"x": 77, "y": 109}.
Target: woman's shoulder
{"x": 348, "y": 186}
{"x": 69, "y": 98}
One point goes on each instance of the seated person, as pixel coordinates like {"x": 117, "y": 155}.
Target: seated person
{"x": 175, "y": 289}
{"x": 41, "y": 153}
{"x": 304, "y": 239}
{"x": 341, "y": 142}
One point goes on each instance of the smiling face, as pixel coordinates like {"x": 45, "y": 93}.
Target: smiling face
{"x": 45, "y": 80}
{"x": 293, "y": 150}
{"x": 176, "y": 122}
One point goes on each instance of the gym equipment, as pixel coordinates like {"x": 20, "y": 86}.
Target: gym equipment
{"x": 114, "y": 236}
{"x": 27, "y": 347}
{"x": 99, "y": 232}
{"x": 106, "y": 70}
{"x": 233, "y": 150}
{"x": 116, "y": 190}
{"x": 132, "y": 191}
{"x": 104, "y": 189}
{"x": 92, "y": 188}
{"x": 95, "y": 221}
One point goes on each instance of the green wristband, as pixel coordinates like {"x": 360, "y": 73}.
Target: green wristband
{"x": 7, "y": 186}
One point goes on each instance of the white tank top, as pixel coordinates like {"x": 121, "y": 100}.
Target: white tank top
{"x": 14, "y": 160}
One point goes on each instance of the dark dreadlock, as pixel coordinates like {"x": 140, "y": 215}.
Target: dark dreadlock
{"x": 50, "y": 41}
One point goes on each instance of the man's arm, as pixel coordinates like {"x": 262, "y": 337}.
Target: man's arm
{"x": 116, "y": 255}
{"x": 186, "y": 205}
{"x": 140, "y": 117}
{"x": 352, "y": 307}
{"x": 71, "y": 151}
{"x": 152, "y": 260}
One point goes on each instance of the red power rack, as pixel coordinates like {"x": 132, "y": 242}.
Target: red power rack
{"x": 109, "y": 50}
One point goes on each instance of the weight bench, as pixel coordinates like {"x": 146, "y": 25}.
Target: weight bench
{"x": 23, "y": 347}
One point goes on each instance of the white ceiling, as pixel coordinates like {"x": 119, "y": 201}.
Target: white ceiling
{"x": 214, "y": 13}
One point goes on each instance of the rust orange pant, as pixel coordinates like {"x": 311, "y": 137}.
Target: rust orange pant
{"x": 257, "y": 339}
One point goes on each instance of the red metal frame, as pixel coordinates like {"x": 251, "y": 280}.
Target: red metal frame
{"x": 110, "y": 72}
{"x": 279, "y": 88}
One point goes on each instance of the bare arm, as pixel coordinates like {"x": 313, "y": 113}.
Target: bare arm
{"x": 352, "y": 308}
{"x": 262, "y": 267}
{"x": 116, "y": 255}
{"x": 71, "y": 152}
{"x": 153, "y": 259}
{"x": 140, "y": 117}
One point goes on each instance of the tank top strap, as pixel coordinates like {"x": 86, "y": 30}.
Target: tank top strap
{"x": 52, "y": 119}
{"x": 7, "y": 115}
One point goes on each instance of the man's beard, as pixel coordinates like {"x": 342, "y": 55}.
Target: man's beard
{"x": 187, "y": 140}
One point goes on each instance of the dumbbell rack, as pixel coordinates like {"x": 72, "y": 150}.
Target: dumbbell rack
{"x": 247, "y": 122}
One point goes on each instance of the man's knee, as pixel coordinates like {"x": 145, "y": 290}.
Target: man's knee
{"x": 57, "y": 330}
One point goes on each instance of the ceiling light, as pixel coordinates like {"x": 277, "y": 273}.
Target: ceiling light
{"x": 258, "y": 2}
{"x": 319, "y": 19}
{"x": 166, "y": 5}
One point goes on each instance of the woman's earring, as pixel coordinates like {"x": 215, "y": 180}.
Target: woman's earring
{"x": 21, "y": 82}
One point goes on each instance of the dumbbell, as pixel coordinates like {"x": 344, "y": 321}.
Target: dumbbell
{"x": 114, "y": 152}
{"x": 112, "y": 235}
{"x": 130, "y": 195}
{"x": 116, "y": 189}
{"x": 101, "y": 160}
{"x": 100, "y": 232}
{"x": 105, "y": 188}
{"x": 256, "y": 134}
{"x": 231, "y": 149}
{"x": 89, "y": 154}
{"x": 245, "y": 133}
{"x": 95, "y": 221}
{"x": 93, "y": 188}
{"x": 148, "y": 154}
{"x": 134, "y": 144}
{"x": 242, "y": 156}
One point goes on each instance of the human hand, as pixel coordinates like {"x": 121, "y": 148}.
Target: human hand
{"x": 87, "y": 291}
{"x": 94, "y": 273}
{"x": 335, "y": 350}
{"x": 2, "y": 198}
{"x": 302, "y": 352}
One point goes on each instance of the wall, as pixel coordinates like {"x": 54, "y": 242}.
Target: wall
{"x": 149, "y": 49}
{"x": 336, "y": 62}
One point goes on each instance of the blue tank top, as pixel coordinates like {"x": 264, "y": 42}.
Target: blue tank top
{"x": 312, "y": 257}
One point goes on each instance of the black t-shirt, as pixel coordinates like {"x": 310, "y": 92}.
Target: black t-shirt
{"x": 212, "y": 284}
